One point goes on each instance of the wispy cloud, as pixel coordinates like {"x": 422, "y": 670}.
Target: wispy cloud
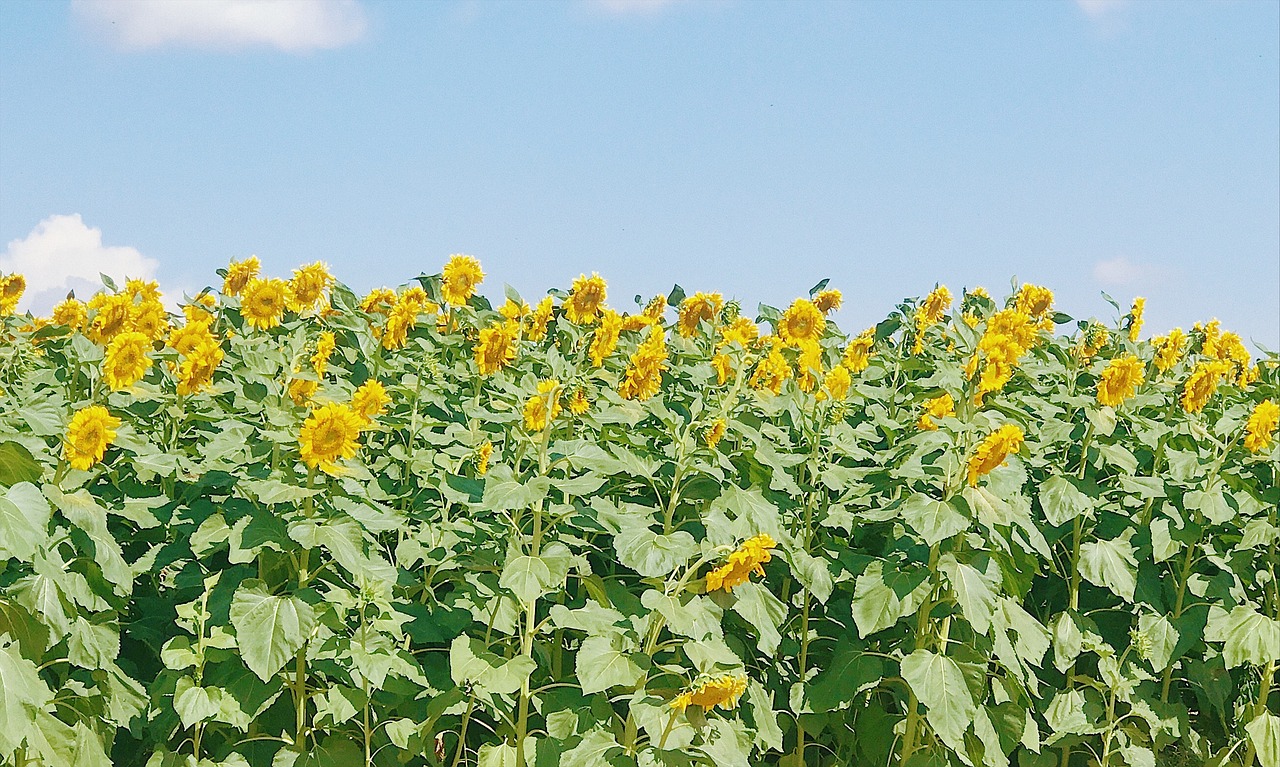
{"x": 631, "y": 7}
{"x": 1098, "y": 9}
{"x": 1121, "y": 272}
{"x": 295, "y": 26}
{"x": 63, "y": 254}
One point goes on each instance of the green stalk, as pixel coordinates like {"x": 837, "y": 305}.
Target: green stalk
{"x": 1077, "y": 537}
{"x": 913, "y": 726}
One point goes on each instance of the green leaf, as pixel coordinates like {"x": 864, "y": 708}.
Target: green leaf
{"x": 1066, "y": 715}
{"x": 595, "y": 748}
{"x": 504, "y": 492}
{"x": 22, "y": 693}
{"x": 17, "y": 465}
{"x": 934, "y": 520}
{"x": 1062, "y": 501}
{"x": 1247, "y": 636}
{"x": 876, "y": 606}
{"x": 939, "y": 684}
{"x": 1212, "y": 504}
{"x": 470, "y": 663}
{"x": 1110, "y": 564}
{"x": 761, "y": 609}
{"x": 526, "y": 577}
{"x": 194, "y": 703}
{"x": 24, "y": 521}
{"x": 973, "y": 590}
{"x": 1264, "y": 734}
{"x": 1157, "y": 638}
{"x": 269, "y": 629}
{"x": 606, "y": 661}
{"x": 653, "y": 555}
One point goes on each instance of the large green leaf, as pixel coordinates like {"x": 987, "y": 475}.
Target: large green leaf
{"x": 1110, "y": 564}
{"x": 269, "y": 629}
{"x": 973, "y": 589}
{"x": 1264, "y": 734}
{"x": 939, "y": 684}
{"x": 1246, "y": 636}
{"x": 651, "y": 554}
{"x": 22, "y": 694}
{"x": 17, "y": 464}
{"x": 876, "y": 606}
{"x": 606, "y": 661}
{"x": 1062, "y": 501}
{"x": 934, "y": 520}
{"x": 526, "y": 577}
{"x": 24, "y": 521}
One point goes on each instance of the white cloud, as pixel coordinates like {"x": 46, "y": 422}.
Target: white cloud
{"x": 295, "y": 26}
{"x": 631, "y": 7}
{"x": 1120, "y": 271}
{"x": 1097, "y": 9}
{"x": 62, "y": 254}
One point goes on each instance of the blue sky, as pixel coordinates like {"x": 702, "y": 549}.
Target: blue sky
{"x": 743, "y": 146}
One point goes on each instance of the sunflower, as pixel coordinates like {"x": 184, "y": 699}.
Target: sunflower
{"x": 941, "y": 406}
{"x": 1261, "y": 425}
{"x": 126, "y": 361}
{"x": 747, "y": 559}
{"x": 1202, "y": 383}
{"x": 802, "y": 321}
{"x": 301, "y": 390}
{"x": 330, "y": 433}
{"x": 1119, "y": 380}
{"x": 308, "y": 286}
{"x": 644, "y": 373}
{"x": 483, "y": 455}
{"x": 837, "y": 382}
{"x": 497, "y": 347}
{"x": 828, "y": 301}
{"x": 585, "y": 298}
{"x": 994, "y": 451}
{"x": 1168, "y": 349}
{"x": 369, "y": 400}
{"x": 325, "y": 345}
{"x": 723, "y": 365}
{"x": 11, "y": 289}
{"x": 696, "y": 308}
{"x": 239, "y": 273}
{"x": 741, "y": 331}
{"x": 723, "y": 691}
{"x": 91, "y": 430}
{"x": 1135, "y": 318}
{"x": 460, "y": 277}
{"x": 716, "y": 432}
{"x": 857, "y": 355}
{"x": 541, "y": 408}
{"x": 538, "y": 320}
{"x": 195, "y": 372}
{"x": 71, "y": 313}
{"x": 1034, "y": 300}
{"x": 110, "y": 316}
{"x": 606, "y": 337}
{"x": 264, "y": 302}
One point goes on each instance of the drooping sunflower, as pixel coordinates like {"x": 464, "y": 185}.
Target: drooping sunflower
{"x": 723, "y": 691}
{"x": 536, "y": 329}
{"x": 12, "y": 287}
{"x": 747, "y": 559}
{"x": 369, "y": 400}
{"x": 126, "y": 361}
{"x": 644, "y": 373}
{"x": 91, "y": 430}
{"x": 801, "y": 322}
{"x": 994, "y": 451}
{"x": 741, "y": 331}
{"x": 857, "y": 355}
{"x": 325, "y": 345}
{"x": 238, "y": 275}
{"x": 716, "y": 432}
{"x": 483, "y": 455}
{"x": 587, "y": 295}
{"x": 1120, "y": 380}
{"x": 331, "y": 433}
{"x": 71, "y": 313}
{"x": 606, "y": 337}
{"x": 1034, "y": 300}
{"x": 772, "y": 370}
{"x": 460, "y": 277}
{"x": 1202, "y": 383}
{"x": 828, "y": 301}
{"x": 497, "y": 347}
{"x": 837, "y": 382}
{"x": 542, "y": 408}
{"x": 1168, "y": 349}
{"x": 264, "y": 302}
{"x": 195, "y": 372}
{"x": 308, "y": 286}
{"x": 941, "y": 406}
{"x": 301, "y": 390}
{"x": 111, "y": 313}
{"x": 696, "y": 308}
{"x": 1261, "y": 426}
{"x": 1135, "y": 317}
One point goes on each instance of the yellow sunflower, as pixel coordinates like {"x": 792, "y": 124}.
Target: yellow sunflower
{"x": 126, "y": 361}
{"x": 238, "y": 275}
{"x": 585, "y": 299}
{"x": 91, "y": 430}
{"x": 801, "y": 322}
{"x": 330, "y": 433}
{"x": 264, "y": 302}
{"x": 460, "y": 277}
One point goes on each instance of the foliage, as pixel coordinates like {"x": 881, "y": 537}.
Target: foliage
{"x": 506, "y": 561}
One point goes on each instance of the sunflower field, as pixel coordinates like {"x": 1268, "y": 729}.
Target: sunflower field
{"x": 291, "y": 526}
